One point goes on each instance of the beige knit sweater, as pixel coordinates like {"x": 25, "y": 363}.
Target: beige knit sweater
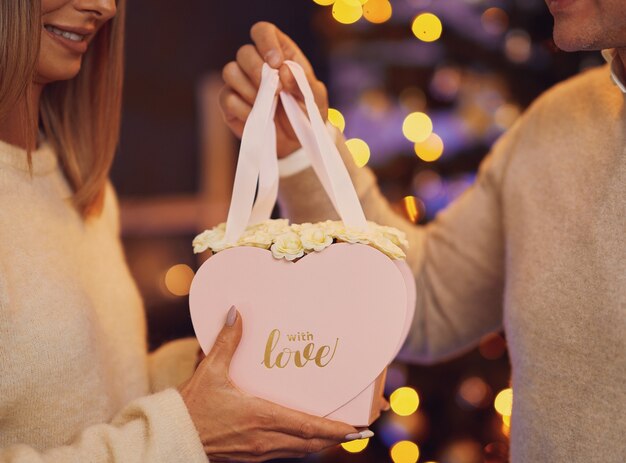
{"x": 537, "y": 246}
{"x": 76, "y": 382}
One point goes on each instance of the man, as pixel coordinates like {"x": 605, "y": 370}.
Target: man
{"x": 537, "y": 246}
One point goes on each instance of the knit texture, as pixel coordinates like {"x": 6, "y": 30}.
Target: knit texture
{"x": 76, "y": 381}
{"x": 538, "y": 247}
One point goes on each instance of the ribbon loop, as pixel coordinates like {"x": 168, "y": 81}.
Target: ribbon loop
{"x": 258, "y": 160}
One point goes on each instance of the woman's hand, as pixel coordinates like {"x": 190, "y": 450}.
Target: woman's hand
{"x": 243, "y": 77}
{"x": 235, "y": 426}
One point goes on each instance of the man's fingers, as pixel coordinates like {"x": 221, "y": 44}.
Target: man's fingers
{"x": 251, "y": 63}
{"x": 226, "y": 343}
{"x": 288, "y": 82}
{"x": 292, "y": 52}
{"x": 239, "y": 82}
{"x": 265, "y": 37}
{"x": 233, "y": 106}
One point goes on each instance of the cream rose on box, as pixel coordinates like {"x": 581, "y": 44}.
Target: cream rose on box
{"x": 315, "y": 238}
{"x": 287, "y": 245}
{"x": 291, "y": 242}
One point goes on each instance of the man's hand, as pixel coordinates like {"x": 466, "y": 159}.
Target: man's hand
{"x": 243, "y": 77}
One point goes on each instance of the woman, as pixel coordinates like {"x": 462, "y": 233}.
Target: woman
{"x": 76, "y": 382}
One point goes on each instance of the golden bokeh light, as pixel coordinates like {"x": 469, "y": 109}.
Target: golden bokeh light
{"x": 404, "y": 401}
{"x": 413, "y": 99}
{"x": 475, "y": 392}
{"x": 427, "y": 27}
{"x": 336, "y": 118}
{"x": 178, "y": 279}
{"x": 347, "y": 11}
{"x": 518, "y": 46}
{"x": 504, "y": 402}
{"x": 417, "y": 127}
{"x": 506, "y": 420}
{"x": 405, "y": 452}
{"x": 355, "y": 446}
{"x": 360, "y": 151}
{"x": 324, "y": 2}
{"x": 412, "y": 208}
{"x": 494, "y": 20}
{"x": 377, "y": 11}
{"x": 430, "y": 149}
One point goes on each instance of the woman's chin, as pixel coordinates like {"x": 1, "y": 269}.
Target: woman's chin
{"x": 56, "y": 74}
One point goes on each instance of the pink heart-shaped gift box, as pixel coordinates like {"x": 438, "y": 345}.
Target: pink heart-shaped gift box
{"x": 318, "y": 333}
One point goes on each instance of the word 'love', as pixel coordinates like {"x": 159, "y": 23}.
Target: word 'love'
{"x": 321, "y": 356}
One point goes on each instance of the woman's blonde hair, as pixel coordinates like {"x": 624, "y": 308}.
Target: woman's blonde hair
{"x": 81, "y": 116}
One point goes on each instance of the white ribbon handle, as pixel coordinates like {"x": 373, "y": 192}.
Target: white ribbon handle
{"x": 258, "y": 160}
{"x": 255, "y": 139}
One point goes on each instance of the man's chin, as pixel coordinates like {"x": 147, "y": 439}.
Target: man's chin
{"x": 573, "y": 42}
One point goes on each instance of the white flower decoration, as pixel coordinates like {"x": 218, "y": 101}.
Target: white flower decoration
{"x": 287, "y": 245}
{"x": 386, "y": 246}
{"x": 258, "y": 238}
{"x": 315, "y": 238}
{"x": 272, "y": 227}
{"x": 353, "y": 235}
{"x": 209, "y": 239}
{"x": 396, "y": 236}
{"x": 292, "y": 242}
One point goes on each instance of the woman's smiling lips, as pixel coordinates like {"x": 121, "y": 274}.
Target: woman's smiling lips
{"x": 73, "y": 38}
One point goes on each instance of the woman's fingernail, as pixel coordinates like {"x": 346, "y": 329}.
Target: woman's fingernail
{"x": 272, "y": 57}
{"x": 353, "y": 436}
{"x": 232, "y": 316}
{"x": 386, "y": 407}
{"x": 366, "y": 434}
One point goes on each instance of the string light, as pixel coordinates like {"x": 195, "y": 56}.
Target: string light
{"x": 504, "y": 402}
{"x": 377, "y": 11}
{"x": 336, "y": 118}
{"x": 494, "y": 20}
{"x": 178, "y": 279}
{"x": 430, "y": 149}
{"x": 324, "y": 2}
{"x": 474, "y": 393}
{"x": 417, "y": 127}
{"x": 427, "y": 27}
{"x": 360, "y": 151}
{"x": 413, "y": 99}
{"x": 355, "y": 446}
{"x": 404, "y": 401}
{"x": 517, "y": 46}
{"x": 405, "y": 452}
{"x": 412, "y": 208}
{"x": 347, "y": 11}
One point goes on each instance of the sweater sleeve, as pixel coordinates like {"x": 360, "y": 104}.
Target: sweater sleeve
{"x": 152, "y": 429}
{"x": 457, "y": 259}
{"x": 172, "y": 363}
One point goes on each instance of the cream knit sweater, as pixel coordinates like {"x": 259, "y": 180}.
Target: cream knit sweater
{"x": 76, "y": 382}
{"x": 537, "y": 246}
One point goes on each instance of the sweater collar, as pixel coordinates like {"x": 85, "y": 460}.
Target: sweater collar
{"x": 44, "y": 159}
{"x": 617, "y": 68}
